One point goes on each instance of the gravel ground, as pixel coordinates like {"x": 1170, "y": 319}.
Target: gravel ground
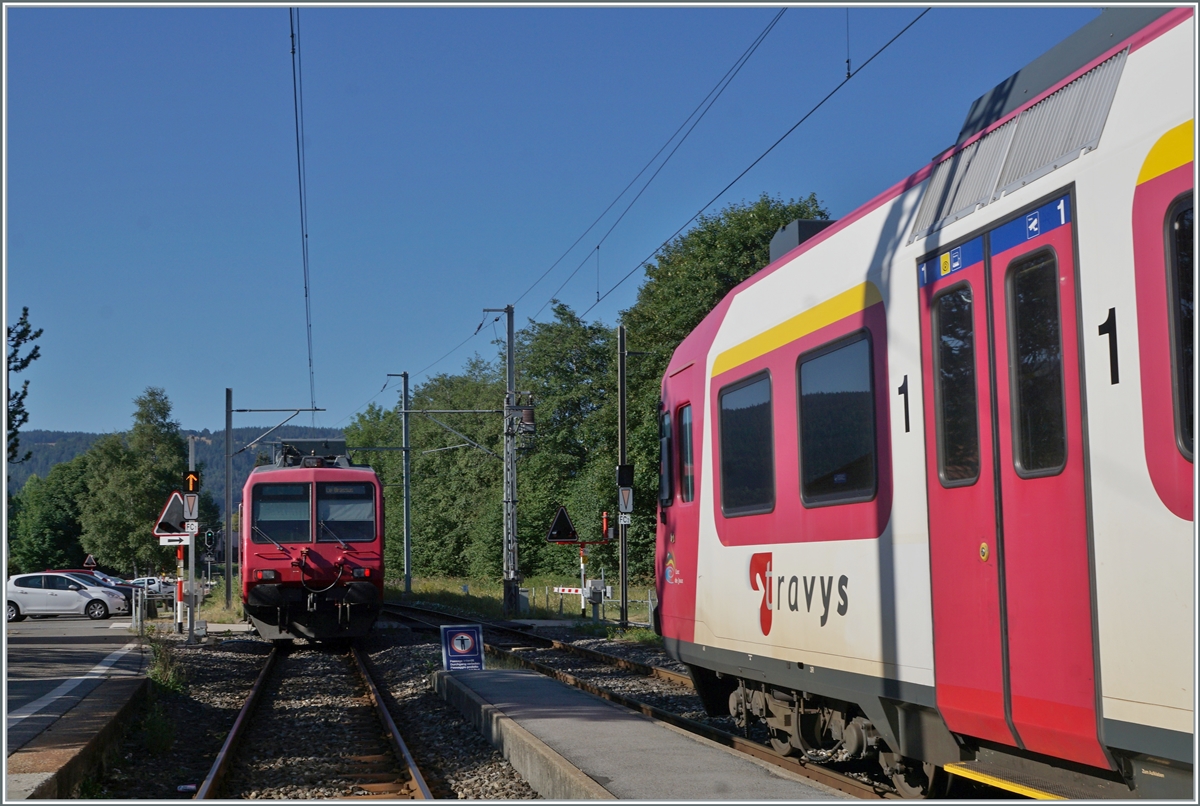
{"x": 175, "y": 737}
{"x": 173, "y": 741}
{"x": 451, "y": 752}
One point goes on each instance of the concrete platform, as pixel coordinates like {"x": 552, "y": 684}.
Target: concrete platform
{"x": 570, "y": 745}
{"x": 77, "y": 744}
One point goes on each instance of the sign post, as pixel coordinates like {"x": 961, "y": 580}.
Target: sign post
{"x": 462, "y": 647}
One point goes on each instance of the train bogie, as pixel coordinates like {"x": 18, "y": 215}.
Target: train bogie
{"x": 933, "y": 506}
{"x": 312, "y": 545}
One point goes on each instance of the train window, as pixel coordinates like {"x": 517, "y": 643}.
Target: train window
{"x": 686, "y": 468}
{"x": 281, "y": 514}
{"x": 345, "y": 512}
{"x": 954, "y": 375}
{"x": 837, "y": 423}
{"x": 1035, "y": 348}
{"x": 666, "y": 495}
{"x": 1183, "y": 325}
{"x": 747, "y": 447}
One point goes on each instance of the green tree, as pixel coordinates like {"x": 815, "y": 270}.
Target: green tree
{"x": 689, "y": 277}
{"x": 19, "y": 335}
{"x": 128, "y": 483}
{"x": 47, "y": 530}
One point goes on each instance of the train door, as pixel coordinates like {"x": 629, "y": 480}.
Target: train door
{"x": 1008, "y": 516}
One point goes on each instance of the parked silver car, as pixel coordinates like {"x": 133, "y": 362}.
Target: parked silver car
{"x": 61, "y": 595}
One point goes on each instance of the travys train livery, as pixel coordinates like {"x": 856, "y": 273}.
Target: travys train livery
{"x": 927, "y": 478}
{"x": 312, "y": 544}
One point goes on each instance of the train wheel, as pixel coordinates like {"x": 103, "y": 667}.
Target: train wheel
{"x": 920, "y": 780}
{"x": 781, "y": 743}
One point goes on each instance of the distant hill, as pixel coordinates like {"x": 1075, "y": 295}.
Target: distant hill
{"x": 51, "y": 447}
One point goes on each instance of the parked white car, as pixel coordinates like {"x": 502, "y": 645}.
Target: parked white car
{"x": 153, "y": 585}
{"x": 61, "y": 595}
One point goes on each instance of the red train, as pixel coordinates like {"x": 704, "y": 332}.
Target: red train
{"x": 312, "y": 544}
{"x": 923, "y": 502}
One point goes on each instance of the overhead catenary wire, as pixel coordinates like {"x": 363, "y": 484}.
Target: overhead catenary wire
{"x": 641, "y": 264}
{"x": 705, "y": 104}
{"x": 298, "y": 112}
{"x": 760, "y": 158}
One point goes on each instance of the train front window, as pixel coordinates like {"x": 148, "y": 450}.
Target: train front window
{"x": 281, "y": 514}
{"x": 345, "y": 512}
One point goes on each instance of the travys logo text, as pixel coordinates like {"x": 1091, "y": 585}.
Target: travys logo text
{"x": 819, "y": 588}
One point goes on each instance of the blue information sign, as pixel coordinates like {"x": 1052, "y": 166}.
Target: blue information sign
{"x": 462, "y": 647}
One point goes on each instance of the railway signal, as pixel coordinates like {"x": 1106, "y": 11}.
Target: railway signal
{"x": 191, "y": 481}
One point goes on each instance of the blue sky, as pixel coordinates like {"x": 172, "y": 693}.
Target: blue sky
{"x": 152, "y": 217}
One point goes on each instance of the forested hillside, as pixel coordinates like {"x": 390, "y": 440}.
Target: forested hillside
{"x": 50, "y": 448}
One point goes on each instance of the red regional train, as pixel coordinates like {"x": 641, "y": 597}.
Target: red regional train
{"x": 312, "y": 544}
{"x": 927, "y": 479}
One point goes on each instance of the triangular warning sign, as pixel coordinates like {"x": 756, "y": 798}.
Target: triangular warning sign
{"x": 90, "y": 562}
{"x": 625, "y": 499}
{"x": 170, "y": 522}
{"x": 561, "y": 531}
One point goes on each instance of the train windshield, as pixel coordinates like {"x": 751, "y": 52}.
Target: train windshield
{"x": 281, "y": 514}
{"x": 345, "y": 512}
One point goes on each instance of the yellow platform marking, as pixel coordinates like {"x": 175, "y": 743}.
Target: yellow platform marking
{"x": 1000, "y": 783}
{"x": 1176, "y": 147}
{"x": 832, "y": 310}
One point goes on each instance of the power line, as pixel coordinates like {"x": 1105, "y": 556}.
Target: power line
{"x": 784, "y": 136}
{"x": 718, "y": 88}
{"x": 298, "y": 111}
{"x": 707, "y": 104}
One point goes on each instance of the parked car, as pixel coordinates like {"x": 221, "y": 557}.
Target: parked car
{"x": 93, "y": 575}
{"x": 153, "y": 585}
{"x": 55, "y": 594}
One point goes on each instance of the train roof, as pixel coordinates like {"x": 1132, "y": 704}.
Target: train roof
{"x": 1113, "y": 30}
{"x": 310, "y": 453}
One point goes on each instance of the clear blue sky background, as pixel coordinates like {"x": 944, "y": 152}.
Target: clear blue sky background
{"x": 152, "y": 221}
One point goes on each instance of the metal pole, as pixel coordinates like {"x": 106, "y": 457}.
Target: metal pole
{"x": 512, "y": 575}
{"x": 622, "y": 528}
{"x": 228, "y": 537}
{"x": 407, "y": 495}
{"x": 191, "y": 557}
{"x": 511, "y": 570}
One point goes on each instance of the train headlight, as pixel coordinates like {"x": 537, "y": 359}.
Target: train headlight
{"x": 266, "y": 575}
{"x": 360, "y": 573}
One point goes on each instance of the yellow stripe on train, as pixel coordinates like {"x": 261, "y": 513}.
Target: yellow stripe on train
{"x": 832, "y": 310}
{"x": 1175, "y": 148}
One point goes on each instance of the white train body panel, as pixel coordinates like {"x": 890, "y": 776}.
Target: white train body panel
{"x": 862, "y": 606}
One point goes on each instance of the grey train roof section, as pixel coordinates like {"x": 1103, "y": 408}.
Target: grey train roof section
{"x": 1080, "y": 48}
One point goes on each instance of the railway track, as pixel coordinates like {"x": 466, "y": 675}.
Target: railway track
{"x": 314, "y": 726}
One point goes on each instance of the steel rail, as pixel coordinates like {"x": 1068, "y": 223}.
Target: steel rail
{"x": 215, "y": 779}
{"x": 830, "y": 778}
{"x": 583, "y": 652}
{"x": 421, "y": 789}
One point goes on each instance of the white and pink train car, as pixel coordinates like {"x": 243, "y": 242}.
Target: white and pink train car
{"x": 927, "y": 485}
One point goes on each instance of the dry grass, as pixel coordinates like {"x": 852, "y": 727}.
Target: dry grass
{"x": 485, "y": 597}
